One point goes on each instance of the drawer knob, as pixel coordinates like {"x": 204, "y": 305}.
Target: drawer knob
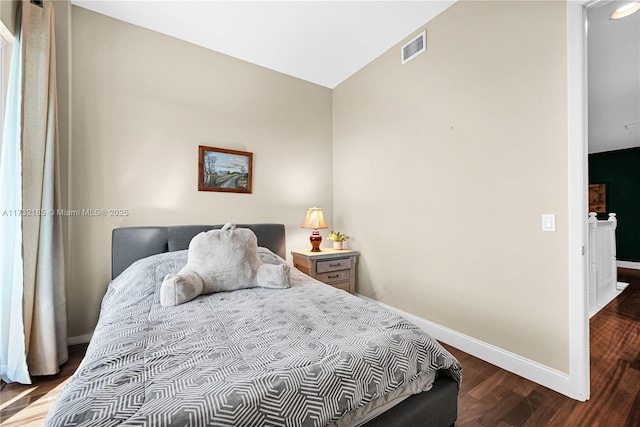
{"x": 335, "y": 265}
{"x": 333, "y": 277}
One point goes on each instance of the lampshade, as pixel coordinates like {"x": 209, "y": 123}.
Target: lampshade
{"x": 314, "y": 219}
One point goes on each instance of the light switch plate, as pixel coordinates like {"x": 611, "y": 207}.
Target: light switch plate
{"x": 548, "y": 222}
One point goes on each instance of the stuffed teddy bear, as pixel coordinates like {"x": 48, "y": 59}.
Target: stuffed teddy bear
{"x": 222, "y": 260}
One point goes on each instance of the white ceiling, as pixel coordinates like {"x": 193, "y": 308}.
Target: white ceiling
{"x": 614, "y": 79}
{"x": 323, "y": 42}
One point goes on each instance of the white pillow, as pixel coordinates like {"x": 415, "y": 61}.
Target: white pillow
{"x": 222, "y": 260}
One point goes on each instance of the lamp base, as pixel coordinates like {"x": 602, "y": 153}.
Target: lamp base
{"x": 315, "y": 240}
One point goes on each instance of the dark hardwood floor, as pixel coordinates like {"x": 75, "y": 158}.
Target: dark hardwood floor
{"x": 489, "y": 396}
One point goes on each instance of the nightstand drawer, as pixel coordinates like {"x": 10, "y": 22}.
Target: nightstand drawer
{"x": 334, "y": 276}
{"x": 333, "y": 265}
{"x": 341, "y": 285}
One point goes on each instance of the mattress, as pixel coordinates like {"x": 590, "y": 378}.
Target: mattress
{"x": 310, "y": 355}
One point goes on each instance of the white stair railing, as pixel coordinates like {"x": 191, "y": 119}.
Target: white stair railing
{"x": 603, "y": 273}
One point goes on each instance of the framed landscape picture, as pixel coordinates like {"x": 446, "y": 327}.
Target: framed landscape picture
{"x": 224, "y": 170}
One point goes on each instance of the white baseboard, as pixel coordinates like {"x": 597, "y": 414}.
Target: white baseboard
{"x": 526, "y": 368}
{"x": 620, "y": 286}
{"x": 628, "y": 264}
{"x": 82, "y": 339}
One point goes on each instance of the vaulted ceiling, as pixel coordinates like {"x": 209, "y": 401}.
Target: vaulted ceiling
{"x": 323, "y": 42}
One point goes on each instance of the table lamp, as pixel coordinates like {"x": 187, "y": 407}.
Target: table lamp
{"x": 314, "y": 220}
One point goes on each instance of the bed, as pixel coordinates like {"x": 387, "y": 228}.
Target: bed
{"x": 310, "y": 355}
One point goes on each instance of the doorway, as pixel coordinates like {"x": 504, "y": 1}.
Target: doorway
{"x": 577, "y": 67}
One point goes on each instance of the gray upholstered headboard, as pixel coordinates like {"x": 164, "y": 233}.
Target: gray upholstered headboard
{"x": 129, "y": 244}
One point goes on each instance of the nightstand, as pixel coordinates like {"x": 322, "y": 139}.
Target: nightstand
{"x": 331, "y": 266}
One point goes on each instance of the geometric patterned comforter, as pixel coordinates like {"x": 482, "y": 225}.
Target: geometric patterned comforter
{"x": 302, "y": 356}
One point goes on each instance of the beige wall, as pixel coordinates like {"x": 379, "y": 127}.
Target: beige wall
{"x": 443, "y": 167}
{"x": 8, "y": 14}
{"x": 142, "y": 103}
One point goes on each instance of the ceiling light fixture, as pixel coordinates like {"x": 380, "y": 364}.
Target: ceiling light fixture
{"x": 625, "y": 10}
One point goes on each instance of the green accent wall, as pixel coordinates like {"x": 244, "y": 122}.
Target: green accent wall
{"x": 620, "y": 170}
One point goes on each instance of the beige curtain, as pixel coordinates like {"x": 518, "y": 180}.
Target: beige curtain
{"x": 44, "y": 302}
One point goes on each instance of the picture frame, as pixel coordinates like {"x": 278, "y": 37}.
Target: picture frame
{"x": 224, "y": 170}
{"x": 598, "y": 198}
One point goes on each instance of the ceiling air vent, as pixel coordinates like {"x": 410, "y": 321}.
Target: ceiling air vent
{"x": 414, "y": 48}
